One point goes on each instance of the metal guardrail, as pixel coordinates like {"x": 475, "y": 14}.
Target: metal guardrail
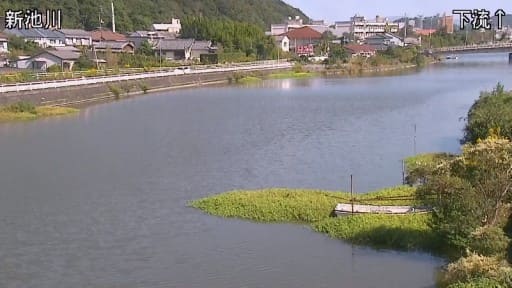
{"x": 473, "y": 47}
{"x": 123, "y": 71}
{"x": 263, "y": 65}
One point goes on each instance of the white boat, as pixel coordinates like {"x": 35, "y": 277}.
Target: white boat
{"x": 342, "y": 209}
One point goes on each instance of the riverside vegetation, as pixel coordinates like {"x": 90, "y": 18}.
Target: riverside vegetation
{"x": 470, "y": 193}
{"x": 27, "y": 111}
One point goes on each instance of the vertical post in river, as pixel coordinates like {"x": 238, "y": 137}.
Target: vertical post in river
{"x": 351, "y": 193}
{"x": 403, "y": 172}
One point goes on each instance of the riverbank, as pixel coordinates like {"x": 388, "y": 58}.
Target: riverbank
{"x": 23, "y": 111}
{"x": 314, "y": 208}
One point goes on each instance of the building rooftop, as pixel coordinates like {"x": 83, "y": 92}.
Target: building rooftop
{"x": 112, "y": 44}
{"x": 34, "y": 33}
{"x": 76, "y": 33}
{"x": 303, "y": 33}
{"x": 61, "y": 54}
{"x": 106, "y": 35}
{"x": 175, "y": 44}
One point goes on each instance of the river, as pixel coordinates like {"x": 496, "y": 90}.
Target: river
{"x": 99, "y": 199}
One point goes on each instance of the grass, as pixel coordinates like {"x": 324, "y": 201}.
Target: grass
{"x": 24, "y": 111}
{"x": 314, "y": 207}
{"x": 249, "y": 79}
{"x": 292, "y": 74}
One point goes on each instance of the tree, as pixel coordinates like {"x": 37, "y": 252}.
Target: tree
{"x": 471, "y": 190}
{"x": 493, "y": 110}
{"x": 145, "y": 48}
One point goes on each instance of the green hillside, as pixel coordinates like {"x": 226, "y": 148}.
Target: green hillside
{"x": 134, "y": 15}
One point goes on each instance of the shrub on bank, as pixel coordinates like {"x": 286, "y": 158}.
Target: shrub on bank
{"x": 475, "y": 266}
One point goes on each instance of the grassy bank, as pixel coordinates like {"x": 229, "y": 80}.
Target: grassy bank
{"x": 314, "y": 207}
{"x": 25, "y": 111}
{"x": 249, "y": 79}
{"x": 292, "y": 74}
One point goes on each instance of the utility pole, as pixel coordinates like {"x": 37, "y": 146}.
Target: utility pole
{"x": 113, "y": 18}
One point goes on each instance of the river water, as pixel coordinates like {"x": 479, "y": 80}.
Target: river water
{"x": 99, "y": 199}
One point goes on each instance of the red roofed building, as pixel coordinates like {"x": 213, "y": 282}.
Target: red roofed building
{"x": 360, "y": 50}
{"x": 106, "y": 35}
{"x": 425, "y": 32}
{"x": 302, "y": 37}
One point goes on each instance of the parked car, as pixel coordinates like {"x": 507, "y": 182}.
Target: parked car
{"x": 182, "y": 70}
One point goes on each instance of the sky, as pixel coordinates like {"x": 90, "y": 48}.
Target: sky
{"x": 339, "y": 10}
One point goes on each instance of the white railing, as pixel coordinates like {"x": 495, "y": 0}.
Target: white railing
{"x": 473, "y": 47}
{"x": 262, "y": 65}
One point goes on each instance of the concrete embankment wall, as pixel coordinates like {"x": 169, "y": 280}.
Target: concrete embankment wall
{"x": 75, "y": 95}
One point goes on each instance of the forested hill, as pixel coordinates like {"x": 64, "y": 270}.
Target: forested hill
{"x": 134, "y": 15}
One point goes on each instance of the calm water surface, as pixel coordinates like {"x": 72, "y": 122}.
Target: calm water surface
{"x": 99, "y": 199}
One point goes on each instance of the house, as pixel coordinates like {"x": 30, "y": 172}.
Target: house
{"x": 319, "y": 25}
{"x": 43, "y": 37}
{"x": 200, "y": 47}
{"x": 152, "y": 37}
{"x": 99, "y": 35}
{"x": 45, "y": 59}
{"x": 360, "y": 50}
{"x": 3, "y": 43}
{"x": 383, "y": 41}
{"x": 174, "y": 49}
{"x": 183, "y": 49}
{"x": 114, "y": 47}
{"x": 283, "y": 42}
{"x": 76, "y": 37}
{"x": 304, "y": 36}
{"x": 425, "y": 32}
{"x": 411, "y": 41}
{"x": 173, "y": 27}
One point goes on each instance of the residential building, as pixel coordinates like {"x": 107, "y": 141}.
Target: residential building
{"x": 183, "y": 49}
{"x": 114, "y": 47}
{"x": 43, "y": 37}
{"x": 446, "y": 23}
{"x": 200, "y": 47}
{"x": 319, "y": 25}
{"x": 425, "y": 32}
{"x": 152, "y": 37}
{"x": 173, "y": 27}
{"x": 99, "y": 35}
{"x": 360, "y": 50}
{"x": 383, "y": 41}
{"x": 283, "y": 42}
{"x": 291, "y": 23}
{"x": 362, "y": 28}
{"x": 341, "y": 28}
{"x": 303, "y": 36}
{"x": 76, "y": 37}
{"x": 411, "y": 41}
{"x": 418, "y": 22}
{"x": 3, "y": 43}
{"x": 45, "y": 59}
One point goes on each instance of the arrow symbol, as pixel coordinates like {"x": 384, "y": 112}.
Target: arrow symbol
{"x": 500, "y": 13}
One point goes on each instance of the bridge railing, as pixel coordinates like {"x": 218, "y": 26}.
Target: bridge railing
{"x": 473, "y": 47}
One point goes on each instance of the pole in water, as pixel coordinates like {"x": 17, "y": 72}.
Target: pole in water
{"x": 403, "y": 172}
{"x": 351, "y": 193}
{"x": 414, "y": 139}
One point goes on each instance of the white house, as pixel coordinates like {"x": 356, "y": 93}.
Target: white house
{"x": 43, "y": 37}
{"x": 383, "y": 41}
{"x": 76, "y": 37}
{"x": 173, "y": 27}
{"x": 3, "y": 43}
{"x": 283, "y": 42}
{"x": 43, "y": 60}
